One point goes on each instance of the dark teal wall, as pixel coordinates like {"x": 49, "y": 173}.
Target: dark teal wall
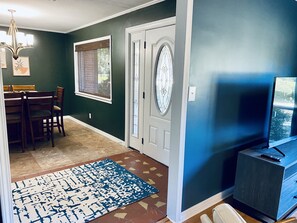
{"x": 47, "y": 63}
{"x": 110, "y": 118}
{"x": 248, "y": 40}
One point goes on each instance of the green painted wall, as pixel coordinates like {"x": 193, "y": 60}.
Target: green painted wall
{"x": 47, "y": 63}
{"x": 110, "y": 118}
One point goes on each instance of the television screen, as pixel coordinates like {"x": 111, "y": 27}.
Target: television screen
{"x": 243, "y": 106}
{"x": 282, "y": 125}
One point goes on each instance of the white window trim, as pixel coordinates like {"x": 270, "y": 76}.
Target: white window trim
{"x": 85, "y": 95}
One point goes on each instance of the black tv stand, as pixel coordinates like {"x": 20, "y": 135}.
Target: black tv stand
{"x": 277, "y": 149}
{"x": 265, "y": 185}
{"x": 268, "y": 147}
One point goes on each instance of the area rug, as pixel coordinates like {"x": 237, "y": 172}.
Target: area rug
{"x": 78, "y": 194}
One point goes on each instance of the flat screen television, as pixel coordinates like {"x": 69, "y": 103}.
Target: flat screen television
{"x": 283, "y": 117}
{"x": 283, "y": 126}
{"x": 242, "y": 112}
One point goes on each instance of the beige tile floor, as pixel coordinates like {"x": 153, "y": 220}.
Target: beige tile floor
{"x": 83, "y": 145}
{"x": 79, "y": 145}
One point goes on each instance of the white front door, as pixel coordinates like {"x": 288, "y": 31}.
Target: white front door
{"x": 151, "y": 69}
{"x": 158, "y": 89}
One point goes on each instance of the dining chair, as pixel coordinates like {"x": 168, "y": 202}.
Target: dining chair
{"x": 6, "y": 88}
{"x": 59, "y": 109}
{"x": 14, "y": 108}
{"x": 30, "y": 87}
{"x": 40, "y": 109}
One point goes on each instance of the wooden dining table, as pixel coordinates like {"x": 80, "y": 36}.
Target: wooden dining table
{"x": 37, "y": 125}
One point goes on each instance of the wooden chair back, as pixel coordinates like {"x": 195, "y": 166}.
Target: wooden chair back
{"x": 14, "y": 108}
{"x": 14, "y": 104}
{"x": 58, "y": 109}
{"x": 30, "y": 87}
{"x": 6, "y": 88}
{"x": 60, "y": 97}
{"x": 40, "y": 101}
{"x": 40, "y": 108}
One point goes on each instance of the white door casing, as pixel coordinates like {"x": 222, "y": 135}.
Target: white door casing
{"x": 183, "y": 21}
{"x": 149, "y": 132}
{"x": 5, "y": 180}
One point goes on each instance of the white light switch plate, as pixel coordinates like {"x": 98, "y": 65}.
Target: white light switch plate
{"x": 192, "y": 93}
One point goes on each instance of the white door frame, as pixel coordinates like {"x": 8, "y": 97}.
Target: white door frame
{"x": 5, "y": 179}
{"x": 181, "y": 68}
{"x": 181, "y": 71}
{"x": 128, "y": 32}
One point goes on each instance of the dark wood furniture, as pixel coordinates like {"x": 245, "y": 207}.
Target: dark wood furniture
{"x": 6, "y": 88}
{"x": 59, "y": 109}
{"x": 14, "y": 108}
{"x": 40, "y": 109}
{"x": 268, "y": 186}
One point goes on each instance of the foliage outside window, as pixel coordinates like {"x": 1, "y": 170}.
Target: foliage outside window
{"x": 280, "y": 124}
{"x": 92, "y": 59}
{"x": 283, "y": 109}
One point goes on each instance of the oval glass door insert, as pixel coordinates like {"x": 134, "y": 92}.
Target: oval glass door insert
{"x": 164, "y": 79}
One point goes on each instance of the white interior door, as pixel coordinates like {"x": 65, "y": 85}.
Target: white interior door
{"x": 158, "y": 89}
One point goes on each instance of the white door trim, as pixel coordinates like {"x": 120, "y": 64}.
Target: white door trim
{"x": 128, "y": 32}
{"x": 5, "y": 179}
{"x": 181, "y": 70}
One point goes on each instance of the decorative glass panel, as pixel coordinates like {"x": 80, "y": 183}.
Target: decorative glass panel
{"x": 164, "y": 79}
{"x": 136, "y": 59}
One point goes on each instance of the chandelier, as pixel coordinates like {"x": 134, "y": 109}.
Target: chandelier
{"x": 14, "y": 40}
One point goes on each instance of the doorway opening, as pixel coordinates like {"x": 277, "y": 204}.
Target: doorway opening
{"x": 149, "y": 79}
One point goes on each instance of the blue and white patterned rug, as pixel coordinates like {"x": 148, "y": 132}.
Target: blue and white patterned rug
{"x": 79, "y": 194}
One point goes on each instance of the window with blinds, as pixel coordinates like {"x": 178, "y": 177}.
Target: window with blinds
{"x": 92, "y": 59}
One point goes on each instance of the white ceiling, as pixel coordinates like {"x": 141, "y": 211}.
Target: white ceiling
{"x": 65, "y": 15}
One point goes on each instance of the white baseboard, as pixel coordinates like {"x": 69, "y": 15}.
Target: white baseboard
{"x": 171, "y": 220}
{"x": 111, "y": 137}
{"x": 206, "y": 204}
